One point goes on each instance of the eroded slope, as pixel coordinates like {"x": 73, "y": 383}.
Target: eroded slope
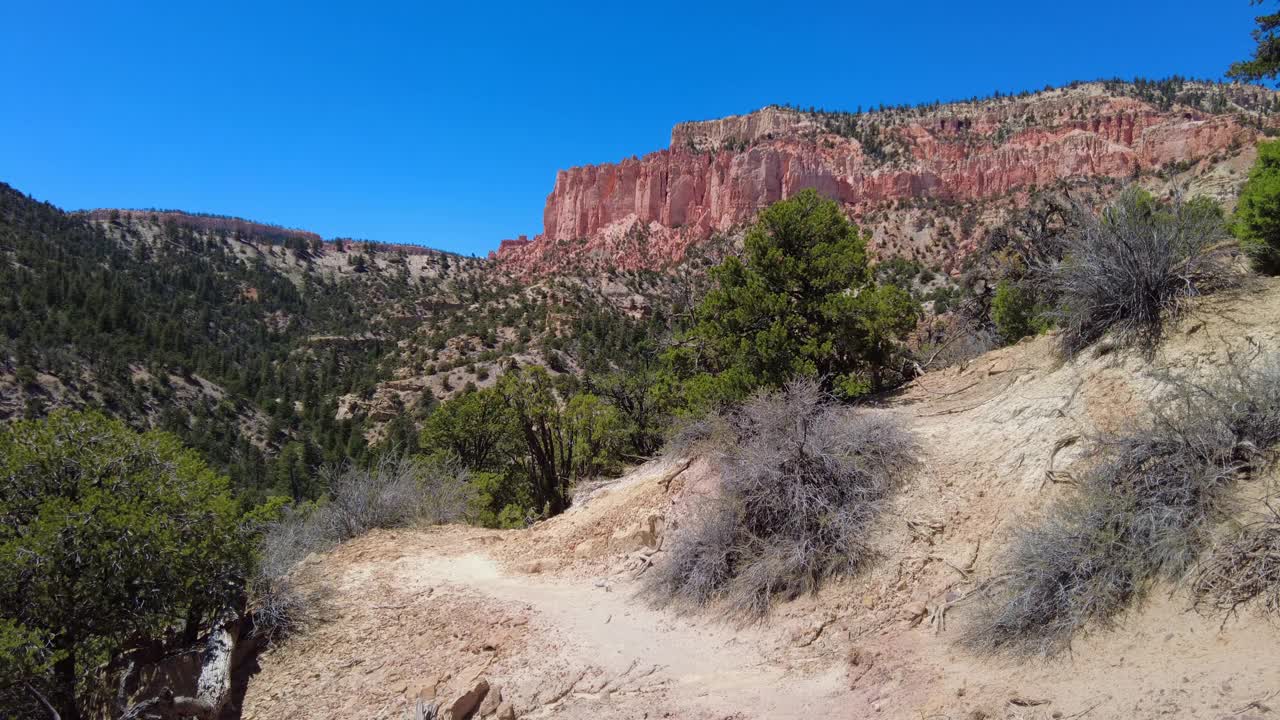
{"x": 548, "y": 618}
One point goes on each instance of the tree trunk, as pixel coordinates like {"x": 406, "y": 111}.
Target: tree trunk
{"x": 64, "y": 672}
{"x": 191, "y": 628}
{"x": 212, "y": 689}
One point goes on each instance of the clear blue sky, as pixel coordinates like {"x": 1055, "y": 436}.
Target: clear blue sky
{"x": 408, "y": 122}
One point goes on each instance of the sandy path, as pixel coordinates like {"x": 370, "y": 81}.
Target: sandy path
{"x": 633, "y": 650}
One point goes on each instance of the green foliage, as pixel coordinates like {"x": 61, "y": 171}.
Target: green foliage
{"x": 595, "y": 428}
{"x": 106, "y": 534}
{"x": 271, "y": 511}
{"x": 500, "y": 500}
{"x": 944, "y": 298}
{"x": 1016, "y": 313}
{"x": 801, "y": 302}
{"x": 1266, "y": 56}
{"x": 512, "y": 516}
{"x": 1257, "y": 218}
{"x": 292, "y": 471}
{"x": 899, "y": 271}
{"x": 528, "y": 440}
{"x": 882, "y": 315}
{"x": 547, "y": 459}
{"x": 135, "y": 323}
{"x": 643, "y": 403}
{"x": 24, "y": 654}
{"x": 476, "y": 427}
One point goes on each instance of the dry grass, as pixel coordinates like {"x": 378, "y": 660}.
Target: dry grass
{"x": 1145, "y": 511}
{"x": 801, "y": 481}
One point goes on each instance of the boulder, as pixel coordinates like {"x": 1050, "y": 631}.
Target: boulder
{"x": 465, "y": 703}
{"x": 495, "y": 640}
{"x": 424, "y": 689}
{"x": 591, "y": 547}
{"x": 492, "y": 699}
{"x": 638, "y": 535}
{"x": 915, "y": 612}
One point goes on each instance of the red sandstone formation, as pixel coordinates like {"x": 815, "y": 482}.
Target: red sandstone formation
{"x": 716, "y": 175}
{"x": 507, "y": 247}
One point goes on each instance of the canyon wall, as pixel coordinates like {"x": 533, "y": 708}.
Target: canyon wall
{"x": 716, "y": 175}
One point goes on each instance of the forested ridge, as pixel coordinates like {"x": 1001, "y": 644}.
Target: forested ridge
{"x": 134, "y": 327}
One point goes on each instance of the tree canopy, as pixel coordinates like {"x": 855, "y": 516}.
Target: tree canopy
{"x": 1257, "y": 218}
{"x": 802, "y": 301}
{"x": 1265, "y": 63}
{"x": 105, "y": 534}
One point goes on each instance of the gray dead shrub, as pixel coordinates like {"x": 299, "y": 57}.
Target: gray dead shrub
{"x": 281, "y": 606}
{"x": 394, "y": 492}
{"x": 801, "y": 481}
{"x": 1144, "y": 511}
{"x": 1130, "y": 268}
{"x": 384, "y": 495}
{"x": 697, "y": 434}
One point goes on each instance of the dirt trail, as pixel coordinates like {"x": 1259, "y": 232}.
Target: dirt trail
{"x": 422, "y": 613}
{"x": 625, "y": 647}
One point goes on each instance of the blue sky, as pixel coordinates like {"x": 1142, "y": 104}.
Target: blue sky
{"x": 445, "y": 125}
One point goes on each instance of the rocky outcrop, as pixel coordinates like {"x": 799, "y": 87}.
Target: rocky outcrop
{"x": 647, "y": 212}
{"x": 232, "y": 226}
{"x": 506, "y": 247}
{"x": 764, "y": 124}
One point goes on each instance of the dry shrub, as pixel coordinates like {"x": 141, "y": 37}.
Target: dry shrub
{"x": 1243, "y": 568}
{"x": 1145, "y": 511}
{"x": 394, "y": 492}
{"x": 423, "y": 711}
{"x": 1130, "y": 268}
{"x": 697, "y": 434}
{"x": 280, "y": 606}
{"x": 801, "y": 481}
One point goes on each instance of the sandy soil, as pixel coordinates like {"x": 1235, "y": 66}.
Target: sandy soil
{"x": 549, "y": 616}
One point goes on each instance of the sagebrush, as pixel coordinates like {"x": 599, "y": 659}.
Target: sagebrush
{"x": 394, "y": 492}
{"x": 802, "y": 480}
{"x": 1145, "y": 510}
{"x": 1128, "y": 269}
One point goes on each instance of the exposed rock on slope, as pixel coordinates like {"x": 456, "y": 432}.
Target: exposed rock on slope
{"x": 205, "y": 223}
{"x": 647, "y": 212}
{"x": 548, "y": 615}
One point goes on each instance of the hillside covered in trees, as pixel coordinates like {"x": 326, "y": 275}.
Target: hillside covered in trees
{"x": 232, "y": 341}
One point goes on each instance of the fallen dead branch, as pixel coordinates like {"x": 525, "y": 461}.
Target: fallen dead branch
{"x": 1054, "y": 476}
{"x": 1243, "y": 568}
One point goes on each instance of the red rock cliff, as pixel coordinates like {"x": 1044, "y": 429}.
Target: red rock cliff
{"x": 647, "y": 212}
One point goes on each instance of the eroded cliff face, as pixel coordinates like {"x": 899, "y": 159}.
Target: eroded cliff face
{"x": 717, "y": 174}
